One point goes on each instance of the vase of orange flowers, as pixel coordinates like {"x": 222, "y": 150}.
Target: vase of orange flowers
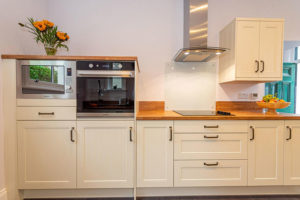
{"x": 46, "y": 32}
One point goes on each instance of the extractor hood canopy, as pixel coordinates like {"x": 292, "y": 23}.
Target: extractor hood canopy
{"x": 195, "y": 34}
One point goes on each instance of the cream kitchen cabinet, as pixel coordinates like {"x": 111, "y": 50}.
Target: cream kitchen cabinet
{"x": 256, "y": 50}
{"x": 46, "y": 154}
{"x": 105, "y": 154}
{"x": 291, "y": 153}
{"x": 265, "y": 152}
{"x": 155, "y": 154}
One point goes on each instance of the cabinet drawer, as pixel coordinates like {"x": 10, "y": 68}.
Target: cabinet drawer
{"x": 46, "y": 113}
{"x": 210, "y": 173}
{"x": 210, "y": 146}
{"x": 194, "y": 126}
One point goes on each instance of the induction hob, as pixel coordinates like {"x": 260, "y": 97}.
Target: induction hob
{"x": 201, "y": 112}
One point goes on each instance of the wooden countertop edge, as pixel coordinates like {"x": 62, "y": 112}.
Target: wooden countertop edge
{"x": 170, "y": 115}
{"x": 218, "y": 118}
{"x": 44, "y": 57}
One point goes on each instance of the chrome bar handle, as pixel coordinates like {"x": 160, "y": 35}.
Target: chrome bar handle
{"x": 257, "y": 66}
{"x": 130, "y": 134}
{"x": 171, "y": 133}
{"x": 253, "y": 133}
{"x": 44, "y": 113}
{"x": 211, "y": 137}
{"x": 216, "y": 126}
{"x": 71, "y": 134}
{"x": 290, "y": 133}
{"x": 263, "y": 66}
{"x": 211, "y": 164}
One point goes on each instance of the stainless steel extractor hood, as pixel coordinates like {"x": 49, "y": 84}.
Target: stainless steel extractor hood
{"x": 195, "y": 47}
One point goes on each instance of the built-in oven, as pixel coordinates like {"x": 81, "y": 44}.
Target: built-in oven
{"x": 40, "y": 79}
{"x": 105, "y": 89}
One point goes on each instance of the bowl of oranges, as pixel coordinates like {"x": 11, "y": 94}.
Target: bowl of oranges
{"x": 272, "y": 103}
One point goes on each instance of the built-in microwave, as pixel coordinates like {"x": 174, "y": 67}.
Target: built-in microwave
{"x": 44, "y": 79}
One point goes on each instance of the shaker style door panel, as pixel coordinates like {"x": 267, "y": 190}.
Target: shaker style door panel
{"x": 292, "y": 153}
{"x": 210, "y": 146}
{"x": 105, "y": 154}
{"x": 210, "y": 173}
{"x": 154, "y": 154}
{"x": 247, "y": 49}
{"x": 46, "y": 154}
{"x": 265, "y": 153}
{"x": 271, "y": 49}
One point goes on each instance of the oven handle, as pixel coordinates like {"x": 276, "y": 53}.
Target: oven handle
{"x": 103, "y": 73}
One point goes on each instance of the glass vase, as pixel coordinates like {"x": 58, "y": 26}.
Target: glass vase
{"x": 50, "y": 50}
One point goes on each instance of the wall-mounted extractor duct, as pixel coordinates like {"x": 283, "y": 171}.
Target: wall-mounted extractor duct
{"x": 195, "y": 47}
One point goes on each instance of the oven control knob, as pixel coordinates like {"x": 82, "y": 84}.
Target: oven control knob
{"x": 97, "y": 65}
{"x": 91, "y": 65}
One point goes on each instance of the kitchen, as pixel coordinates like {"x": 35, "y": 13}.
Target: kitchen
{"x": 151, "y": 31}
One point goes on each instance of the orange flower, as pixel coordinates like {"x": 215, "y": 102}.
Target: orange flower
{"x": 61, "y": 35}
{"x": 48, "y": 23}
{"x": 39, "y": 25}
{"x": 67, "y": 36}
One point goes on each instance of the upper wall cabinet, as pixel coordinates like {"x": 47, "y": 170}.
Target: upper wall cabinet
{"x": 256, "y": 50}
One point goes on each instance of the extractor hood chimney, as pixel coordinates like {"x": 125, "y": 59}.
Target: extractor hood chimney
{"x": 195, "y": 47}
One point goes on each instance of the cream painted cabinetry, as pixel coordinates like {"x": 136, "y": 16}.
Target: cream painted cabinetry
{"x": 292, "y": 153}
{"x": 265, "y": 152}
{"x": 105, "y": 154}
{"x": 46, "y": 154}
{"x": 155, "y": 153}
{"x": 256, "y": 50}
{"x": 210, "y": 153}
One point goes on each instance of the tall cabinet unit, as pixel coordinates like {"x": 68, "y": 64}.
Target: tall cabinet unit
{"x": 105, "y": 154}
{"x": 46, "y": 154}
{"x": 155, "y": 154}
{"x": 255, "y": 50}
{"x": 265, "y": 153}
{"x": 291, "y": 153}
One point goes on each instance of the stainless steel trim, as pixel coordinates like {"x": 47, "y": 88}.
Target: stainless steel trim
{"x": 105, "y": 114}
{"x": 68, "y": 64}
{"x": 104, "y": 73}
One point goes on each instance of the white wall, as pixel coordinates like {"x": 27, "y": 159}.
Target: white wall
{"x": 149, "y": 29}
{"x": 152, "y": 30}
{"x": 15, "y": 41}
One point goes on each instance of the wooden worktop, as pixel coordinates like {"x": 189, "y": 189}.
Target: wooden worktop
{"x": 237, "y": 109}
{"x": 237, "y": 115}
{"x": 44, "y": 57}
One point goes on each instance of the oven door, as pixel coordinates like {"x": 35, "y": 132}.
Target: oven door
{"x": 105, "y": 95}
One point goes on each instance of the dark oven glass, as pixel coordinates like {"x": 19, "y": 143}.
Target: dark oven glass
{"x": 43, "y": 79}
{"x": 105, "y": 95}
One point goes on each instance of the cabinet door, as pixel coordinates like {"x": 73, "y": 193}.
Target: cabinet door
{"x": 291, "y": 153}
{"x": 105, "y": 154}
{"x": 247, "y": 49}
{"x": 265, "y": 153}
{"x": 154, "y": 154}
{"x": 46, "y": 154}
{"x": 271, "y": 48}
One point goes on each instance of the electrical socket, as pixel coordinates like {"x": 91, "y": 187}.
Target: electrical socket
{"x": 243, "y": 95}
{"x": 254, "y": 95}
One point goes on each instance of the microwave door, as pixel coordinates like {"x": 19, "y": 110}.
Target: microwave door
{"x": 43, "y": 80}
